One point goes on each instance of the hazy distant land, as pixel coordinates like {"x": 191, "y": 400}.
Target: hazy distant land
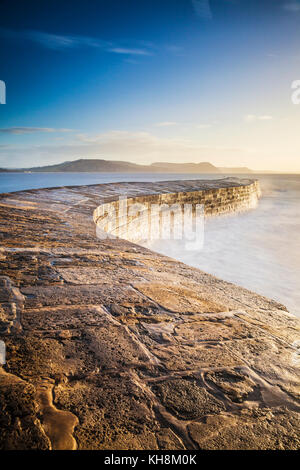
{"x": 110, "y": 166}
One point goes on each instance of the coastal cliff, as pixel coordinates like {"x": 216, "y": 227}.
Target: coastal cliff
{"x": 112, "y": 346}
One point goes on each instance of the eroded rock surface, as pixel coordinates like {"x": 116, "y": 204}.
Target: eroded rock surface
{"x": 112, "y": 346}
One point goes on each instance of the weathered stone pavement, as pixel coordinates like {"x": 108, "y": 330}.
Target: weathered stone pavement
{"x": 112, "y": 346}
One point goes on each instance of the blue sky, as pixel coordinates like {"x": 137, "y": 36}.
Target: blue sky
{"x": 151, "y": 80}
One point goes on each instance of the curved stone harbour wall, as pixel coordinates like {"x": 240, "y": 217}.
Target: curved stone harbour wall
{"x": 149, "y": 216}
{"x": 110, "y": 345}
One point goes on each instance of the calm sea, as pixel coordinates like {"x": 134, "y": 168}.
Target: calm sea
{"x": 258, "y": 249}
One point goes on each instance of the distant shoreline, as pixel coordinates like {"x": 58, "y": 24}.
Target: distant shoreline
{"x": 252, "y": 172}
{"x": 113, "y": 166}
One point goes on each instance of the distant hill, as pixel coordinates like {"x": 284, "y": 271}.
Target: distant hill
{"x": 92, "y": 166}
{"x": 242, "y": 169}
{"x": 203, "y": 167}
{"x": 113, "y": 166}
{"x": 5, "y": 170}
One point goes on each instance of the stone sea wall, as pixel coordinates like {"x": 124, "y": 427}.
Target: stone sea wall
{"x": 110, "y": 345}
{"x": 144, "y": 216}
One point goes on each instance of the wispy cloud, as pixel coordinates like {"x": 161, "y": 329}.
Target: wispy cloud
{"x": 202, "y": 9}
{"x": 65, "y": 42}
{"x": 30, "y": 130}
{"x": 124, "y": 50}
{"x": 292, "y": 6}
{"x": 52, "y": 41}
{"x": 56, "y": 41}
{"x": 253, "y": 118}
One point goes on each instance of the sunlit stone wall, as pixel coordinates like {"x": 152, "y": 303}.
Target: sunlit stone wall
{"x": 144, "y": 217}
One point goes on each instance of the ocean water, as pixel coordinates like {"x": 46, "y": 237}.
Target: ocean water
{"x": 10, "y": 182}
{"x": 258, "y": 249}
